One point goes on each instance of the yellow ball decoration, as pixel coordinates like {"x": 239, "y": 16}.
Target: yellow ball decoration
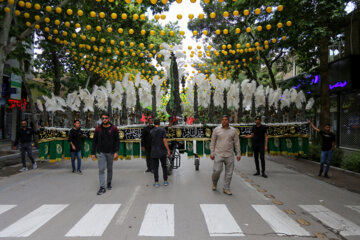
{"x": 37, "y": 6}
{"x": 182, "y": 33}
{"x": 283, "y": 38}
{"x": 142, "y": 17}
{"x": 280, "y": 8}
{"x": 172, "y": 33}
{"x": 80, "y": 13}
{"x": 259, "y": 28}
{"x": 274, "y": 40}
{"x": 191, "y": 16}
{"x": 48, "y": 8}
{"x": 179, "y": 16}
{"x": 279, "y": 25}
{"x": 98, "y": 28}
{"x": 246, "y": 12}
{"x": 124, "y": 16}
{"x": 120, "y": 30}
{"x": 102, "y": 15}
{"x": 21, "y": 3}
{"x": 236, "y": 13}
{"x": 269, "y": 9}
{"x": 112, "y": 42}
{"x": 17, "y": 12}
{"x": 193, "y": 1}
{"x": 163, "y": 16}
{"x": 225, "y": 31}
{"x": 93, "y": 39}
{"x": 266, "y": 42}
{"x": 128, "y": 1}
{"x": 152, "y": 32}
{"x": 179, "y": 1}
{"x": 153, "y": 1}
{"x": 248, "y": 29}
{"x": 268, "y": 27}
{"x": 73, "y": 35}
{"x": 69, "y": 12}
{"x": 93, "y": 14}
{"x": 257, "y": 11}
{"x": 27, "y": 4}
{"x": 164, "y": 1}
{"x": 26, "y": 15}
{"x": 135, "y": 16}
{"x": 237, "y": 30}
{"x": 57, "y": 22}
{"x": 47, "y": 29}
{"x": 206, "y": 1}
{"x": 217, "y": 31}
{"x": 238, "y": 45}
{"x": 56, "y": 31}
{"x": 109, "y": 29}
{"x": 205, "y": 32}
{"x": 288, "y": 23}
{"x": 162, "y": 33}
{"x": 201, "y": 16}
{"x": 58, "y": 10}
{"x": 226, "y": 14}
{"x": 212, "y": 15}
{"x": 142, "y": 32}
{"x": 6, "y": 9}
{"x": 131, "y": 31}
{"x": 229, "y": 46}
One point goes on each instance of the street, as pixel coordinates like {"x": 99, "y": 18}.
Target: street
{"x": 51, "y": 202}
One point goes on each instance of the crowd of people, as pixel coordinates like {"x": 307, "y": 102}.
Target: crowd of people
{"x": 224, "y": 146}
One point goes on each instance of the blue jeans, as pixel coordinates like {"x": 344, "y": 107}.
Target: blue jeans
{"x": 325, "y": 157}
{"x": 78, "y": 155}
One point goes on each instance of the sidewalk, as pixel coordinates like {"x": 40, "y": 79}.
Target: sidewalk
{"x": 338, "y": 177}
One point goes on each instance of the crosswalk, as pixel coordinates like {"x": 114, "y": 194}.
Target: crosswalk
{"x": 159, "y": 220}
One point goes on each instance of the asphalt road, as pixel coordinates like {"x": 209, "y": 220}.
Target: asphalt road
{"x": 51, "y": 202}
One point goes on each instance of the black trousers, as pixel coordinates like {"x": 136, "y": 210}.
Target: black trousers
{"x": 155, "y": 164}
{"x": 259, "y": 149}
{"x": 26, "y": 148}
{"x": 148, "y": 158}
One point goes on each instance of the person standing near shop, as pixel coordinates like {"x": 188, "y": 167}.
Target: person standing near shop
{"x": 223, "y": 140}
{"x": 75, "y": 146}
{"x": 146, "y": 143}
{"x": 106, "y": 145}
{"x": 327, "y": 147}
{"x": 159, "y": 151}
{"x": 259, "y": 144}
{"x": 24, "y": 137}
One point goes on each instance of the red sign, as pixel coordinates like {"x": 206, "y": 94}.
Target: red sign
{"x": 18, "y": 103}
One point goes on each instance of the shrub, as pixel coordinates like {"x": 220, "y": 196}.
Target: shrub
{"x": 314, "y": 152}
{"x": 352, "y": 162}
{"x": 337, "y": 157}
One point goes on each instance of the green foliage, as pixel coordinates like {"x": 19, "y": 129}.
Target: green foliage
{"x": 314, "y": 152}
{"x": 337, "y": 157}
{"x": 352, "y": 162}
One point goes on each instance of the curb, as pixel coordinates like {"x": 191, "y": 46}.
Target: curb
{"x": 15, "y": 155}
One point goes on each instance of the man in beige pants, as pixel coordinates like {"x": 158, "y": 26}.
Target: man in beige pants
{"x": 222, "y": 152}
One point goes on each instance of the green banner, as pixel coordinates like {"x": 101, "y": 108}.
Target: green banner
{"x": 56, "y": 150}
{"x": 249, "y": 147}
{"x": 190, "y": 148}
{"x": 303, "y": 144}
{"x": 243, "y": 145}
{"x": 66, "y": 150}
{"x": 136, "y": 149}
{"x": 274, "y": 146}
{"x": 44, "y": 150}
{"x": 86, "y": 145}
{"x": 143, "y": 153}
{"x": 129, "y": 150}
{"x": 200, "y": 148}
{"x": 207, "y": 148}
{"x": 283, "y": 147}
{"x": 122, "y": 151}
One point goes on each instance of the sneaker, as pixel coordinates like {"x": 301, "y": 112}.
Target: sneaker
{"x": 109, "y": 187}
{"x": 23, "y": 169}
{"x": 214, "y": 186}
{"x": 148, "y": 170}
{"x": 79, "y": 172}
{"x": 35, "y": 166}
{"x": 264, "y": 175}
{"x": 101, "y": 191}
{"x": 166, "y": 183}
{"x": 156, "y": 184}
{"x": 320, "y": 173}
{"x": 74, "y": 171}
{"x": 227, "y": 192}
{"x": 256, "y": 174}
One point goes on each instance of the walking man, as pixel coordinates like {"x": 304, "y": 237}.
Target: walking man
{"x": 146, "y": 143}
{"x": 75, "y": 146}
{"x": 223, "y": 140}
{"x": 106, "y": 145}
{"x": 24, "y": 137}
{"x": 327, "y": 147}
{"x": 260, "y": 145}
{"x": 159, "y": 151}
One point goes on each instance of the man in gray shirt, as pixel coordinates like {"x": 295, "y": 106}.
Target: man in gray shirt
{"x": 223, "y": 140}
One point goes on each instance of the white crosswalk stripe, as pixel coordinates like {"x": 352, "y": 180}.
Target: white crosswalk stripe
{"x": 354, "y": 207}
{"x": 219, "y": 220}
{"x": 5, "y": 208}
{"x": 158, "y": 221}
{"x": 95, "y": 221}
{"x": 333, "y": 220}
{"x": 281, "y": 223}
{"x": 27, "y": 225}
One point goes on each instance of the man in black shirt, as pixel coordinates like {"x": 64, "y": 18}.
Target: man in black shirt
{"x": 106, "y": 145}
{"x": 159, "y": 150}
{"x": 327, "y": 147}
{"x": 146, "y": 143}
{"x": 24, "y": 136}
{"x": 259, "y": 143}
{"x": 75, "y": 146}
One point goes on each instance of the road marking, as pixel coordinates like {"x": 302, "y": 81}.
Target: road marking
{"x": 354, "y": 207}
{"x": 281, "y": 223}
{"x": 158, "y": 221}
{"x": 5, "y": 208}
{"x": 127, "y": 207}
{"x": 333, "y": 220}
{"x": 219, "y": 220}
{"x": 95, "y": 221}
{"x": 27, "y": 225}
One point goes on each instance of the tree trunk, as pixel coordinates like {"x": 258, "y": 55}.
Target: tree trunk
{"x": 240, "y": 111}
{"x": 211, "y": 106}
{"x": 153, "y": 105}
{"x": 196, "y": 104}
{"x": 324, "y": 82}
{"x": 57, "y": 76}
